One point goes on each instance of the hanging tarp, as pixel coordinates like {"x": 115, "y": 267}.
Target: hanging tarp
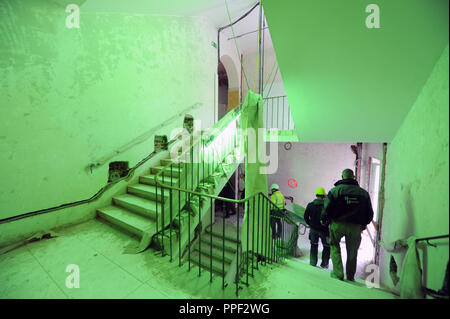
{"x": 256, "y": 219}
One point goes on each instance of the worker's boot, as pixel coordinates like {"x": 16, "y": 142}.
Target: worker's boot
{"x": 325, "y": 255}
{"x": 313, "y": 254}
{"x": 333, "y": 275}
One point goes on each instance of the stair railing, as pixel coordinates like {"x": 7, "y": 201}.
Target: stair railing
{"x": 277, "y": 114}
{"x": 268, "y": 249}
{"x": 205, "y": 152}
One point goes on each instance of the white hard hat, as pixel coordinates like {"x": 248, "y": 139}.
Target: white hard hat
{"x": 275, "y": 186}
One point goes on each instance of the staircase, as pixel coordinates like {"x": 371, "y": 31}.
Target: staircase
{"x": 136, "y": 211}
{"x": 211, "y": 249}
{"x": 174, "y": 220}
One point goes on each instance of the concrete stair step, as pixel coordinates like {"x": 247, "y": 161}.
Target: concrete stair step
{"x": 217, "y": 242}
{"x": 174, "y": 172}
{"x": 184, "y": 219}
{"x": 169, "y": 161}
{"x": 205, "y": 263}
{"x": 127, "y": 220}
{"x": 139, "y": 205}
{"x": 217, "y": 234}
{"x": 217, "y": 253}
{"x": 147, "y": 191}
{"x": 151, "y": 180}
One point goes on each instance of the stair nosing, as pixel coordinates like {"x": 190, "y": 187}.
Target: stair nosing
{"x": 216, "y": 234}
{"x": 135, "y": 186}
{"x": 217, "y": 257}
{"x": 124, "y": 210}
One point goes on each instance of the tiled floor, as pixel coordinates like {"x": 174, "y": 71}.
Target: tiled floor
{"x": 38, "y": 270}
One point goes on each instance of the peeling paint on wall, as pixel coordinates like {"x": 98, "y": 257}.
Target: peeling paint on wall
{"x": 71, "y": 95}
{"x": 417, "y": 184}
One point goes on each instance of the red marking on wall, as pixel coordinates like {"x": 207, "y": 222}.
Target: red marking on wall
{"x": 292, "y": 183}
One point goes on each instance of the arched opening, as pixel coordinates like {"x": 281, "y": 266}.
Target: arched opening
{"x": 223, "y": 91}
{"x": 228, "y": 86}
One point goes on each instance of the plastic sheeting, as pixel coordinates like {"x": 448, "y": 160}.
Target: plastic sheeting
{"x": 411, "y": 273}
{"x": 255, "y": 178}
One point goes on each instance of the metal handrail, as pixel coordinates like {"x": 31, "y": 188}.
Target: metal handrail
{"x": 282, "y": 113}
{"x": 99, "y": 193}
{"x": 431, "y": 238}
{"x": 271, "y": 248}
{"x": 140, "y": 139}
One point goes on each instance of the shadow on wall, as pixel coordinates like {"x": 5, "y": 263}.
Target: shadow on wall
{"x": 423, "y": 248}
{"x": 408, "y": 227}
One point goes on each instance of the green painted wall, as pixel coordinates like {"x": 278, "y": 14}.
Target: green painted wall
{"x": 71, "y": 96}
{"x": 417, "y": 177}
{"x": 346, "y": 82}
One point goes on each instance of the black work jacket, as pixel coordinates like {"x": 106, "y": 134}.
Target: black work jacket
{"x": 349, "y": 203}
{"x": 312, "y": 215}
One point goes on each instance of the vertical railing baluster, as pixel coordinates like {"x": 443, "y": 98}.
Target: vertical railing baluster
{"x": 192, "y": 163}
{"x": 162, "y": 212}
{"x": 203, "y": 160}
{"x": 262, "y": 232}
{"x": 170, "y": 211}
{"x": 282, "y": 239}
{"x": 278, "y": 255}
{"x": 267, "y": 216}
{"x": 198, "y": 164}
{"x": 223, "y": 250}
{"x": 274, "y": 243}
{"x": 170, "y": 225}
{"x": 179, "y": 221}
{"x": 282, "y": 126}
{"x": 267, "y": 114}
{"x": 253, "y": 232}
{"x": 270, "y": 243}
{"x": 248, "y": 230}
{"x": 257, "y": 231}
{"x": 271, "y": 121}
{"x": 210, "y": 243}
{"x": 157, "y": 212}
{"x": 199, "y": 238}
{"x": 278, "y": 111}
{"x": 189, "y": 231}
{"x": 276, "y": 249}
{"x": 237, "y": 255}
{"x": 266, "y": 221}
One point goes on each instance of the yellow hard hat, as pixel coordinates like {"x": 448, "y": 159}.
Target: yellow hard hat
{"x": 320, "y": 191}
{"x": 275, "y": 186}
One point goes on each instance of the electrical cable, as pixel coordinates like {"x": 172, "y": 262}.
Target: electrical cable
{"x": 234, "y": 35}
{"x": 270, "y": 75}
{"x": 257, "y": 46}
{"x": 273, "y": 80}
{"x": 80, "y": 202}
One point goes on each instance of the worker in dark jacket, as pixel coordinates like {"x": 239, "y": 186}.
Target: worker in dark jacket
{"x": 317, "y": 230}
{"x": 348, "y": 208}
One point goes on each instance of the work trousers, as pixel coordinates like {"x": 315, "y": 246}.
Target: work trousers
{"x": 314, "y": 237}
{"x": 275, "y": 224}
{"x": 352, "y": 234}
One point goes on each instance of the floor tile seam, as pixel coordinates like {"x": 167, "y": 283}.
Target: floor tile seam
{"x": 48, "y": 274}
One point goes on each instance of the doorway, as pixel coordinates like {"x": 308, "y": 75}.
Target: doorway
{"x": 223, "y": 91}
{"x": 366, "y": 253}
{"x": 228, "y": 86}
